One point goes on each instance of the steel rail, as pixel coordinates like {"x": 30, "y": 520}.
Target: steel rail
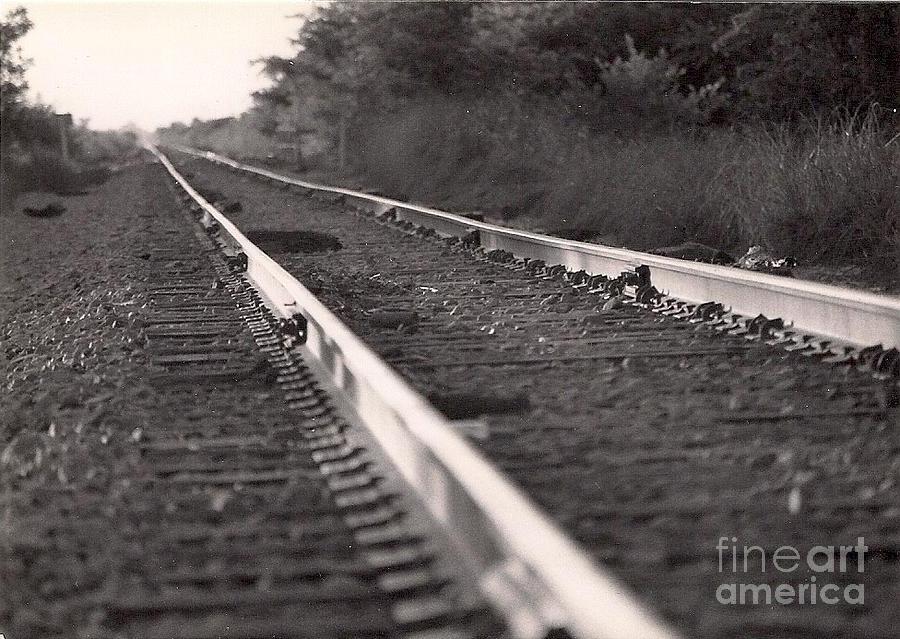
{"x": 833, "y": 312}
{"x": 535, "y": 575}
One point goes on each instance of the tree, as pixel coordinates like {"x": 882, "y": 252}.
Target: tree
{"x": 784, "y": 60}
{"x": 12, "y": 68}
{"x": 693, "y": 63}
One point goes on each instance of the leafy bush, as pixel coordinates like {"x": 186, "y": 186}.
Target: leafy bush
{"x": 640, "y": 93}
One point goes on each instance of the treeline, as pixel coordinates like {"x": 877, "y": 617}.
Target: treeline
{"x": 608, "y": 66}
{"x": 33, "y": 154}
{"x": 640, "y": 124}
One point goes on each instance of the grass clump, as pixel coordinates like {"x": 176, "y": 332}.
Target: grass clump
{"x": 827, "y": 192}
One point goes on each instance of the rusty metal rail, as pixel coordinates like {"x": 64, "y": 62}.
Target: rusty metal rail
{"x": 532, "y": 572}
{"x": 842, "y": 317}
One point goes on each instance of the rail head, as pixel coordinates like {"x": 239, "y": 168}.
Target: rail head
{"x": 852, "y": 316}
{"x": 527, "y": 566}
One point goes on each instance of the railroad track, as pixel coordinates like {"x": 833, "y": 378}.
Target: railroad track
{"x": 645, "y": 426}
{"x": 534, "y": 576}
{"x": 842, "y": 317}
{"x": 349, "y": 558}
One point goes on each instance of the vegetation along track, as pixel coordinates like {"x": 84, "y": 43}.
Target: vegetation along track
{"x": 646, "y": 435}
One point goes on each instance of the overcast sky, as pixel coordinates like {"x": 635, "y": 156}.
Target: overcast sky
{"x": 152, "y": 63}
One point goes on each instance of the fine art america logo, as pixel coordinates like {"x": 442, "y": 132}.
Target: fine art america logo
{"x": 818, "y": 575}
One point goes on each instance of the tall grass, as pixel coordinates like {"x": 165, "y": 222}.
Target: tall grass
{"x": 826, "y": 191}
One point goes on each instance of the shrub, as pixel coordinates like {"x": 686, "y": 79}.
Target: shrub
{"x": 640, "y": 93}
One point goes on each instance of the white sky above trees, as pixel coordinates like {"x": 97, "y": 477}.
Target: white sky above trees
{"x": 152, "y": 63}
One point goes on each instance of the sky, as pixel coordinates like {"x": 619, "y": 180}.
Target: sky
{"x": 152, "y": 63}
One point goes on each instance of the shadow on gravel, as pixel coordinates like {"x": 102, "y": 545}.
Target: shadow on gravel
{"x": 53, "y": 209}
{"x": 293, "y": 241}
{"x": 255, "y": 375}
{"x": 463, "y": 405}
